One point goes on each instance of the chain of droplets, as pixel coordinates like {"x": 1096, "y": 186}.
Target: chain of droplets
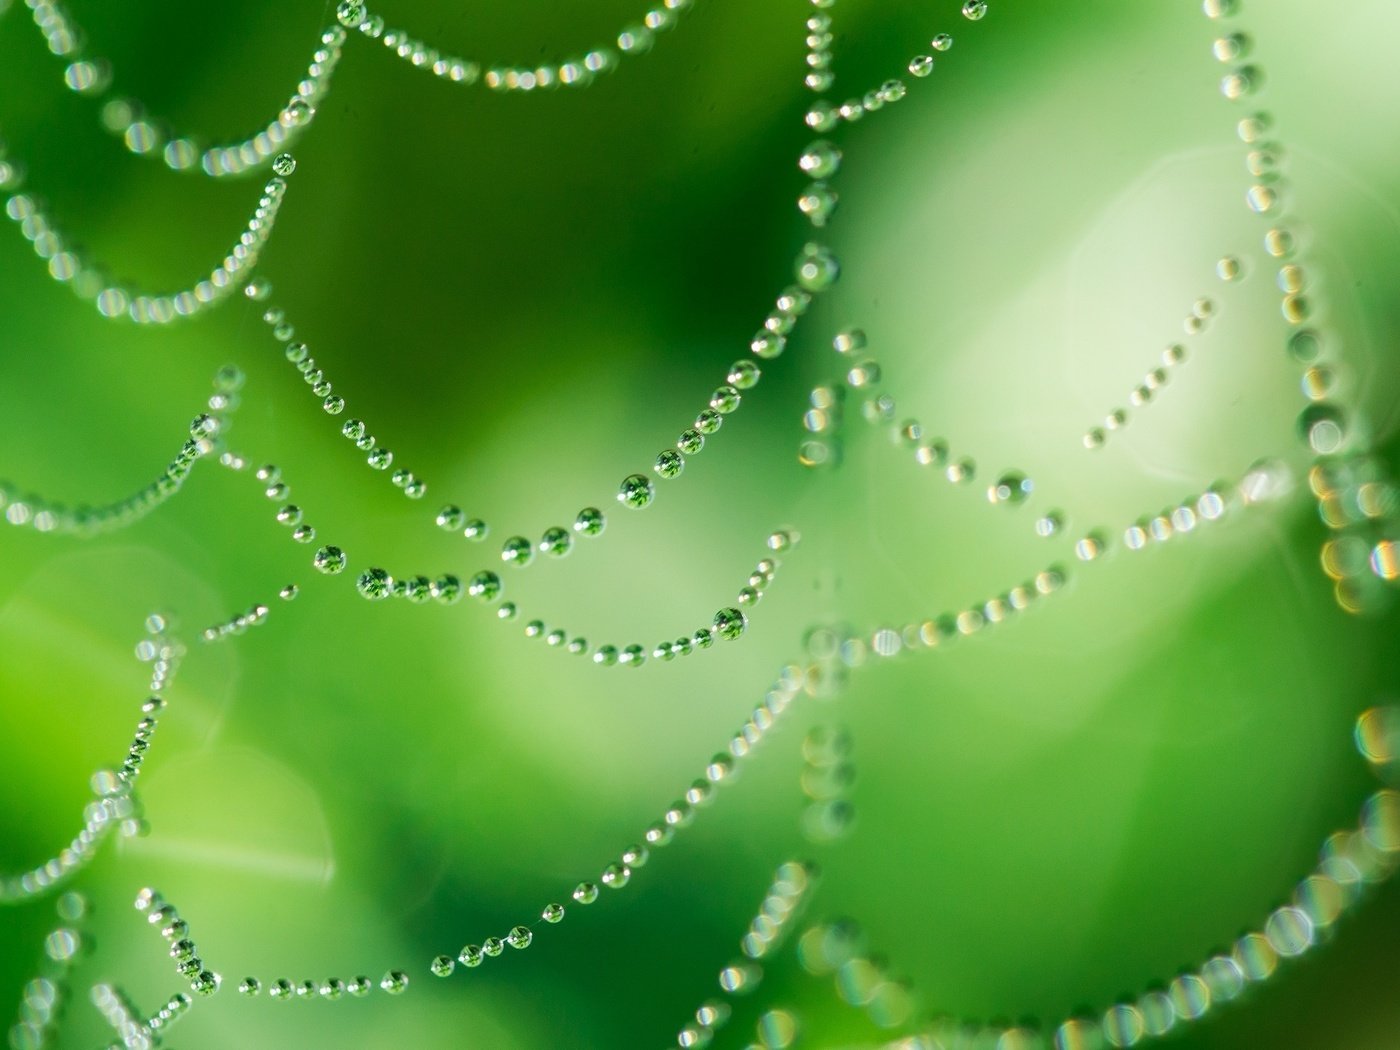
{"x": 1197, "y": 321}
{"x": 328, "y": 559}
{"x": 149, "y": 136}
{"x": 116, "y": 1009}
{"x": 862, "y": 979}
{"x": 828, "y": 775}
{"x": 299, "y": 356}
{"x": 784, "y": 901}
{"x": 824, "y": 418}
{"x": 824, "y": 115}
{"x": 161, "y": 914}
{"x": 256, "y": 616}
{"x": 574, "y": 72}
{"x": 1349, "y": 862}
{"x": 1262, "y": 484}
{"x": 1356, "y": 497}
{"x": 376, "y": 584}
{"x": 486, "y": 586}
{"x": 42, "y": 997}
{"x": 45, "y": 515}
{"x": 719, "y": 771}
{"x": 115, "y": 803}
{"x": 69, "y": 266}
{"x": 636, "y": 490}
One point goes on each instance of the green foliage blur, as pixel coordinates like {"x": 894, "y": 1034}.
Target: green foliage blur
{"x": 527, "y": 298}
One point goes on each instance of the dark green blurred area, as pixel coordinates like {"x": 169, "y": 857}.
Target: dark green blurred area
{"x": 527, "y": 298}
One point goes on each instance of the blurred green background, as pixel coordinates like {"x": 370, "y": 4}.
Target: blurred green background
{"x": 527, "y": 298}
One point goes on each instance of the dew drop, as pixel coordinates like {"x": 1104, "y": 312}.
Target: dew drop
{"x": 1011, "y": 489}
{"x": 616, "y": 875}
{"x": 816, "y": 268}
{"x": 329, "y": 560}
{"x": 974, "y": 10}
{"x": 395, "y": 982}
{"x": 921, "y": 65}
{"x": 636, "y": 491}
{"x": 517, "y": 551}
{"x": 284, "y": 164}
{"x": 350, "y": 13}
{"x": 817, "y": 202}
{"x": 484, "y": 586}
{"x": 730, "y": 623}
{"x": 669, "y": 464}
{"x": 820, "y": 160}
{"x": 942, "y": 42}
{"x": 1323, "y": 426}
{"x": 590, "y": 522}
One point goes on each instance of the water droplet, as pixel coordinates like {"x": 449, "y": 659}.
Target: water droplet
{"x": 942, "y": 42}
{"x": 1279, "y": 243}
{"x": 730, "y": 623}
{"x": 1323, "y": 427}
{"x": 777, "y": 1029}
{"x": 921, "y": 65}
{"x": 553, "y": 913}
{"x": 616, "y": 875}
{"x": 485, "y": 586}
{"x": 820, "y": 160}
{"x": 519, "y": 937}
{"x": 817, "y": 202}
{"x": 636, "y": 491}
{"x": 284, "y": 164}
{"x": 669, "y": 464}
{"x": 395, "y": 982}
{"x": 816, "y": 268}
{"x": 1229, "y": 48}
{"x": 475, "y": 529}
{"x": 585, "y": 893}
{"x": 375, "y": 584}
{"x": 517, "y": 551}
{"x": 1262, "y": 199}
{"x": 471, "y": 955}
{"x": 974, "y": 9}
{"x": 590, "y": 522}
{"x": 442, "y": 966}
{"x": 1011, "y": 489}
{"x": 299, "y": 112}
{"x": 556, "y": 542}
{"x": 249, "y": 986}
{"x": 350, "y": 13}
{"x": 329, "y": 560}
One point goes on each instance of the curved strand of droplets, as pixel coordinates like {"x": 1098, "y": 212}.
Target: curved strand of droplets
{"x": 51, "y": 516}
{"x": 1349, "y": 862}
{"x": 636, "y": 491}
{"x": 42, "y": 1002}
{"x": 487, "y": 587}
{"x": 824, "y": 417}
{"x": 581, "y": 71}
{"x": 376, "y": 584}
{"x": 792, "y": 885}
{"x": 114, "y": 803}
{"x": 1354, "y": 488}
{"x": 1142, "y": 395}
{"x": 149, "y": 136}
{"x": 69, "y": 266}
{"x": 616, "y": 875}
